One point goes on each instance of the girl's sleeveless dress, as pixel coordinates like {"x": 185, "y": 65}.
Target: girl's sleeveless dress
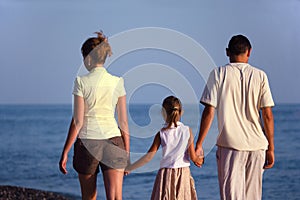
{"x": 173, "y": 180}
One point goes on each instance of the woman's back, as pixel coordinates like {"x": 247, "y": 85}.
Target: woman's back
{"x": 100, "y": 91}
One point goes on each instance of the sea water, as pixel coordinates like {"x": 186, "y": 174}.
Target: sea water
{"x": 32, "y": 138}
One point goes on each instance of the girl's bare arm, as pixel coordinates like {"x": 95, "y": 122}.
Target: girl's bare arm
{"x": 148, "y": 156}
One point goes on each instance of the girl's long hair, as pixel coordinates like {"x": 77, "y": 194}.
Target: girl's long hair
{"x": 172, "y": 108}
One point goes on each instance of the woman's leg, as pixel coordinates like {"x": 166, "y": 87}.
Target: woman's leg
{"x": 113, "y": 182}
{"x": 88, "y": 184}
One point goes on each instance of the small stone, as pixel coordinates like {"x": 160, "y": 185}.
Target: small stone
{"x": 20, "y": 193}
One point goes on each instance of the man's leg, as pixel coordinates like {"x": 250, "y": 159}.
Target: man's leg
{"x": 254, "y": 174}
{"x": 231, "y": 173}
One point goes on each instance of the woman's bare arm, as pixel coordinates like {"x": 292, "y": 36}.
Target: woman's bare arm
{"x": 123, "y": 121}
{"x": 75, "y": 126}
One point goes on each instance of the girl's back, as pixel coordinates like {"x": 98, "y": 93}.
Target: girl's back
{"x": 174, "y": 142}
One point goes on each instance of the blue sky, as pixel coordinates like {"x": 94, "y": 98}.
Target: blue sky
{"x": 41, "y": 40}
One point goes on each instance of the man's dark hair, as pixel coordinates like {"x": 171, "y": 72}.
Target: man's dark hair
{"x": 238, "y": 44}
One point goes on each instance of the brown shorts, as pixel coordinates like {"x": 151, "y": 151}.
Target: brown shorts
{"x": 108, "y": 153}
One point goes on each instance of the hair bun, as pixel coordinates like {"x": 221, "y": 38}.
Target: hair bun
{"x": 101, "y": 36}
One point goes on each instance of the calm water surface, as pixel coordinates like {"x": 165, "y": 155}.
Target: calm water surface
{"x": 32, "y": 137}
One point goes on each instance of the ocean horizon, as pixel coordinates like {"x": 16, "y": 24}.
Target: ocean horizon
{"x": 33, "y": 136}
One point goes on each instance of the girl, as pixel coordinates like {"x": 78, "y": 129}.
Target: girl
{"x": 173, "y": 180}
{"x": 99, "y": 141}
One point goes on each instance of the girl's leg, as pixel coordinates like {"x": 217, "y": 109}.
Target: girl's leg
{"x": 113, "y": 181}
{"x": 88, "y": 184}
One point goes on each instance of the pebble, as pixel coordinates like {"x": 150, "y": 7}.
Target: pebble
{"x": 21, "y": 193}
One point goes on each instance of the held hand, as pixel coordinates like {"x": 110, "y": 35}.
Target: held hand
{"x": 199, "y": 162}
{"x": 63, "y": 164}
{"x": 127, "y": 170}
{"x": 270, "y": 159}
{"x": 200, "y": 153}
{"x": 126, "y": 173}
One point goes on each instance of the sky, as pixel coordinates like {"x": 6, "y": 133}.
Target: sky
{"x": 41, "y": 40}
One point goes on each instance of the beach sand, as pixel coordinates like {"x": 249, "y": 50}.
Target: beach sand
{"x": 15, "y": 193}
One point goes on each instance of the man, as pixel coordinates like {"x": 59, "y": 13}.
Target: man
{"x": 241, "y": 96}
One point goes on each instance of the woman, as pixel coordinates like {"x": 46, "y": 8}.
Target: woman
{"x": 99, "y": 140}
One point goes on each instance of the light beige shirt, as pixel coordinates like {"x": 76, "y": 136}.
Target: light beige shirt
{"x": 238, "y": 91}
{"x": 100, "y": 91}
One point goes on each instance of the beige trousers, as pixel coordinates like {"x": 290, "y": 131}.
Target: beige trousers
{"x": 240, "y": 174}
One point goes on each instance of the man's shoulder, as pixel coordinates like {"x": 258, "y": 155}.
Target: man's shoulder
{"x": 222, "y": 67}
{"x": 257, "y": 70}
{"x": 218, "y": 69}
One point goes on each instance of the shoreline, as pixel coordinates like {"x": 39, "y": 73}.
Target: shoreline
{"x": 8, "y": 192}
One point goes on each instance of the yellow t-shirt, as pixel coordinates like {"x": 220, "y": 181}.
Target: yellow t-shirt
{"x": 100, "y": 91}
{"x": 238, "y": 91}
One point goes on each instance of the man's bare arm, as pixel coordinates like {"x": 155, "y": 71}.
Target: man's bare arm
{"x": 268, "y": 120}
{"x": 206, "y": 121}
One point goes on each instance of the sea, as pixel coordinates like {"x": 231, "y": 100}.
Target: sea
{"x": 32, "y": 138}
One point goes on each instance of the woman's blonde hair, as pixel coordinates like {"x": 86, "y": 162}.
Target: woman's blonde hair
{"x": 97, "y": 48}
